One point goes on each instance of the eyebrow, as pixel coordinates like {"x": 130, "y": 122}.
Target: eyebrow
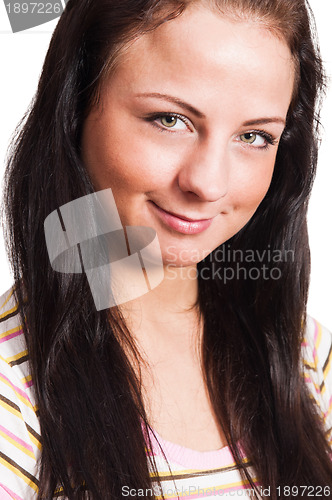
{"x": 174, "y": 100}
{"x": 264, "y": 121}
{"x": 199, "y": 114}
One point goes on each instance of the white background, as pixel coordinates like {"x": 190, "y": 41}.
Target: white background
{"x": 21, "y": 58}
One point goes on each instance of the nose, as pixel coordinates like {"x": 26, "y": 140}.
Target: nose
{"x": 206, "y": 171}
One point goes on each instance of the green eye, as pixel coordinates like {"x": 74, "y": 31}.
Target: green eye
{"x": 172, "y": 122}
{"x": 168, "y": 121}
{"x": 249, "y": 138}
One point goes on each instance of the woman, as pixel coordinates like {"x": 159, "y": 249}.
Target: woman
{"x": 200, "y": 118}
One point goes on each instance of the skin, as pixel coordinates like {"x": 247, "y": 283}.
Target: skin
{"x": 239, "y": 78}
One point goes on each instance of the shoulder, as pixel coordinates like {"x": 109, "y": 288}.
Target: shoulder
{"x": 19, "y": 426}
{"x": 317, "y": 342}
{"x": 317, "y": 367}
{"x": 13, "y": 350}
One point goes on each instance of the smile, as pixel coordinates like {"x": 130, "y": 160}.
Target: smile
{"x": 181, "y": 223}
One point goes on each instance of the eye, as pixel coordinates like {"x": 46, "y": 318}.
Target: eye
{"x": 171, "y": 122}
{"x": 254, "y": 139}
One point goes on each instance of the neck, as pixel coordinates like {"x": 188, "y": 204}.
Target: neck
{"x": 167, "y": 308}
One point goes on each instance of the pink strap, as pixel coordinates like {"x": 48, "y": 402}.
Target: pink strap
{"x": 7, "y": 494}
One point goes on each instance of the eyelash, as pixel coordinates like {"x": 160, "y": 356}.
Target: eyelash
{"x": 154, "y": 116}
{"x": 270, "y": 141}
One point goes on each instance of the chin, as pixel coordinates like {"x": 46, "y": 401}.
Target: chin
{"x": 183, "y": 257}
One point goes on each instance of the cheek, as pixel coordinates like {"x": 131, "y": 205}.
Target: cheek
{"x": 251, "y": 187}
{"x": 125, "y": 162}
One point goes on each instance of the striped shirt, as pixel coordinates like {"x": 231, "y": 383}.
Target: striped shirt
{"x": 196, "y": 474}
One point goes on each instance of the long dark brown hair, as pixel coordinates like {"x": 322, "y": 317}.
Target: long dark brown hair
{"x": 88, "y": 394}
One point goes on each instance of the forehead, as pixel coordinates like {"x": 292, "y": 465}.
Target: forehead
{"x": 203, "y": 54}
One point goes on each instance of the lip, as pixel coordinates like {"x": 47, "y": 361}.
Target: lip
{"x": 181, "y": 223}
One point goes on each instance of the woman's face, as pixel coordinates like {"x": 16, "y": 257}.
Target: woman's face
{"x": 187, "y": 129}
